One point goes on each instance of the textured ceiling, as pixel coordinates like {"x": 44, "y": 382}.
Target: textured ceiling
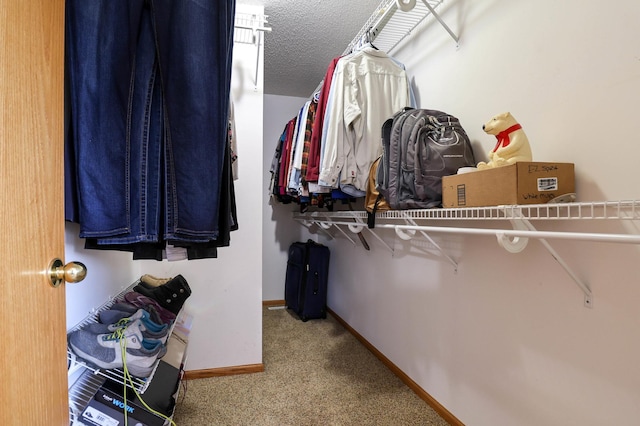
{"x": 305, "y": 36}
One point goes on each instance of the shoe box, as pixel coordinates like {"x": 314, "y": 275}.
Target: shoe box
{"x": 107, "y": 409}
{"x": 97, "y": 414}
{"x": 107, "y": 406}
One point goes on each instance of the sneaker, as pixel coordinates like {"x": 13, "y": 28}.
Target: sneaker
{"x": 140, "y": 300}
{"x": 98, "y": 328}
{"x": 113, "y": 315}
{"x": 123, "y": 306}
{"x": 128, "y": 307}
{"x": 170, "y": 295}
{"x": 104, "y": 350}
{"x": 112, "y": 319}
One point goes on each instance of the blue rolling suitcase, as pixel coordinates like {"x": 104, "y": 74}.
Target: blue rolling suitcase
{"x": 305, "y": 288}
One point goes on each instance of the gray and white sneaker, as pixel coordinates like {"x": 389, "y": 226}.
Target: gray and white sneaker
{"x": 105, "y": 351}
{"x": 112, "y": 320}
{"x": 98, "y": 328}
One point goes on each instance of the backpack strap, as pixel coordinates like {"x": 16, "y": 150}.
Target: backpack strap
{"x": 371, "y": 216}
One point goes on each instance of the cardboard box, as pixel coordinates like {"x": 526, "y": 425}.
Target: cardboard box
{"x": 520, "y": 183}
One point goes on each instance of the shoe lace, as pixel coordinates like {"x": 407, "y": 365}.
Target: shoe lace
{"x": 119, "y": 334}
{"x": 123, "y": 322}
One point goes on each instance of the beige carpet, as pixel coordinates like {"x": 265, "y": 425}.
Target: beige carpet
{"x": 316, "y": 373}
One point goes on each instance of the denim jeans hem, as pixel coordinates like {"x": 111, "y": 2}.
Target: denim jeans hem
{"x": 106, "y": 233}
{"x": 149, "y": 85}
{"x": 128, "y": 240}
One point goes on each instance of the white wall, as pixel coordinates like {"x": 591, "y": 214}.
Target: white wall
{"x": 227, "y": 291}
{"x": 507, "y": 340}
{"x": 108, "y": 273}
{"x": 278, "y": 232}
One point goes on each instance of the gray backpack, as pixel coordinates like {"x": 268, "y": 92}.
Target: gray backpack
{"x": 420, "y": 146}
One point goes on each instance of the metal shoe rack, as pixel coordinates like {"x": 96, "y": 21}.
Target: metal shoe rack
{"x": 409, "y": 224}
{"x": 85, "y": 380}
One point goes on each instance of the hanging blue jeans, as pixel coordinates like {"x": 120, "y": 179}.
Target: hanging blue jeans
{"x": 149, "y": 93}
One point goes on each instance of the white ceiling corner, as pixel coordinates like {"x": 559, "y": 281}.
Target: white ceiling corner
{"x": 305, "y": 36}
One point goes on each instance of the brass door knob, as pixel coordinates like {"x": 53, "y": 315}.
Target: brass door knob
{"x": 72, "y": 272}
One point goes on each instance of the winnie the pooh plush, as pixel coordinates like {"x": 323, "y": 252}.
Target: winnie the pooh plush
{"x": 512, "y": 144}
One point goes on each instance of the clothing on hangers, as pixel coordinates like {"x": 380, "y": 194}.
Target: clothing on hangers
{"x": 148, "y": 128}
{"x": 369, "y": 88}
{"x": 313, "y": 165}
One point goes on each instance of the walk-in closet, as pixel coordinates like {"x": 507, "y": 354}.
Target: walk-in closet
{"x": 499, "y": 314}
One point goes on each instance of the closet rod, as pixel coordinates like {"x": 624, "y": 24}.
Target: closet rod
{"x": 577, "y": 236}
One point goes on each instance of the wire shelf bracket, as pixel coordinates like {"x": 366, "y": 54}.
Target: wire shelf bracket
{"x": 388, "y": 27}
{"x": 409, "y": 223}
{"x": 249, "y": 29}
{"x": 390, "y": 24}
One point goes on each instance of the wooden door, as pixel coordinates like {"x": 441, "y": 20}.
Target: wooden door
{"x": 32, "y": 315}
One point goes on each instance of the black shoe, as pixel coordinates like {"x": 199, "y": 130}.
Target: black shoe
{"x": 170, "y": 295}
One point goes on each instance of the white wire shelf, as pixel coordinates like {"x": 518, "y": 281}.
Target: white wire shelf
{"x": 248, "y": 26}
{"x": 83, "y": 390}
{"x": 408, "y": 224}
{"x": 249, "y": 29}
{"x": 605, "y": 210}
{"x": 388, "y": 26}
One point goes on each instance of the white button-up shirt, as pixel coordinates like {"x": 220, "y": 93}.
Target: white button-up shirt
{"x": 367, "y": 88}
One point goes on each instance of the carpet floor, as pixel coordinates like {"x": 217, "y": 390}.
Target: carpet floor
{"x": 316, "y": 374}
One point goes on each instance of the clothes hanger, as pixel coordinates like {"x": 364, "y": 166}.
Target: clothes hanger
{"x": 369, "y": 41}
